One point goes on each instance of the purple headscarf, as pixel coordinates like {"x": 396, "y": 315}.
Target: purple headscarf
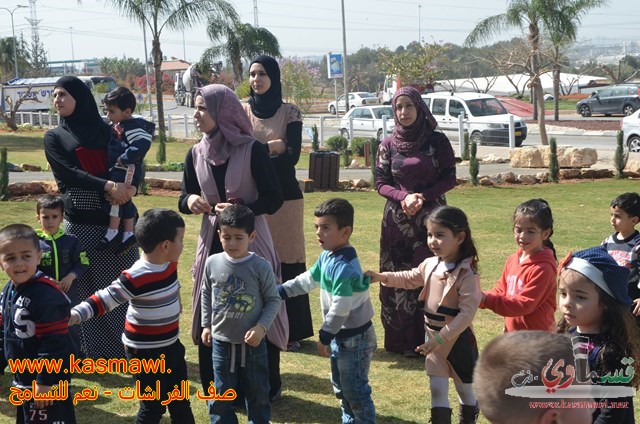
{"x": 233, "y": 127}
{"x": 411, "y": 138}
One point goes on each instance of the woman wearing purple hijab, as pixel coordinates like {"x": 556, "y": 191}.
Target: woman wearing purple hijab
{"x": 228, "y": 166}
{"x": 415, "y": 167}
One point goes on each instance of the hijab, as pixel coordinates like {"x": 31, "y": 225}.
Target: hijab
{"x": 85, "y": 122}
{"x": 266, "y": 105}
{"x": 233, "y": 127}
{"x": 411, "y": 138}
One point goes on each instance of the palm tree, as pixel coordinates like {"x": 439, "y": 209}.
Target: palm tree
{"x": 529, "y": 15}
{"x": 242, "y": 42}
{"x": 563, "y": 30}
{"x": 173, "y": 14}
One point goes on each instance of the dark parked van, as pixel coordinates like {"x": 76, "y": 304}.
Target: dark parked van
{"x": 618, "y": 99}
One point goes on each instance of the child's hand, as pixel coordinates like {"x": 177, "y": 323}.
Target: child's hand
{"x": 65, "y": 283}
{"x": 376, "y": 276}
{"x": 429, "y": 347}
{"x": 42, "y": 403}
{"x": 255, "y": 335}
{"x": 323, "y": 349}
{"x": 74, "y": 319}
{"x": 636, "y": 307}
{"x": 206, "y": 336}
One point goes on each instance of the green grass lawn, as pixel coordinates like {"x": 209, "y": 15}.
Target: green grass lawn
{"x": 400, "y": 386}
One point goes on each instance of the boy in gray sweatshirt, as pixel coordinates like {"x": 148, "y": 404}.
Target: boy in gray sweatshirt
{"x": 239, "y": 303}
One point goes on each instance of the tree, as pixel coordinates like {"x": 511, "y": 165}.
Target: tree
{"x": 124, "y": 70}
{"x": 174, "y": 14}
{"x": 299, "y": 81}
{"x": 242, "y": 42}
{"x": 562, "y": 24}
{"x": 7, "y": 69}
{"x": 39, "y": 65}
{"x": 419, "y": 63}
{"x": 530, "y": 16}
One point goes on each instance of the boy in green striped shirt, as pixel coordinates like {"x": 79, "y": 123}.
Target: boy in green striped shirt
{"x": 347, "y": 335}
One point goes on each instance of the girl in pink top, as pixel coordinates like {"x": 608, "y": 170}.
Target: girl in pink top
{"x": 451, "y": 294}
{"x": 526, "y": 292}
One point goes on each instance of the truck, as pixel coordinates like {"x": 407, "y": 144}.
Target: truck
{"x": 391, "y": 85}
{"x": 40, "y": 97}
{"x": 185, "y": 84}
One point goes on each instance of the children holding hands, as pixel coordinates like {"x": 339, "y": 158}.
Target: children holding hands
{"x": 451, "y": 292}
{"x": 151, "y": 329}
{"x": 347, "y": 335}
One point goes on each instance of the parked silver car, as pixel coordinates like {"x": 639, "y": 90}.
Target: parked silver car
{"x": 357, "y": 98}
{"x": 367, "y": 121}
{"x": 621, "y": 99}
{"x": 631, "y": 129}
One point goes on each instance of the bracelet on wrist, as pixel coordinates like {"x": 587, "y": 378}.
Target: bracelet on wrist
{"x": 439, "y": 338}
{"x": 114, "y": 188}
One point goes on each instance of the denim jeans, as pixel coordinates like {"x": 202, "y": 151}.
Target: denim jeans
{"x": 350, "y": 361}
{"x": 253, "y": 378}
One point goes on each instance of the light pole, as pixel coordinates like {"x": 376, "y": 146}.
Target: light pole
{"x": 13, "y": 31}
{"x": 73, "y": 59}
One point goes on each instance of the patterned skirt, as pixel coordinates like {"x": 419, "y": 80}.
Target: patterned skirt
{"x": 101, "y": 336}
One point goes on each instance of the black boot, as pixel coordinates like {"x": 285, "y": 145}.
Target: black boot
{"x": 468, "y": 414}
{"x": 440, "y": 415}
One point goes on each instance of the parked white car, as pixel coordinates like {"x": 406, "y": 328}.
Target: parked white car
{"x": 367, "y": 121}
{"x": 358, "y": 98}
{"x": 631, "y": 129}
{"x": 486, "y": 118}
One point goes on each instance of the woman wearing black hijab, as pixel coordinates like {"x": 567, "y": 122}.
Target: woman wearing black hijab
{"x": 77, "y": 153}
{"x": 279, "y": 126}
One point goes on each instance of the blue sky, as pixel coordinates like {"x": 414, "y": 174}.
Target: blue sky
{"x": 303, "y": 27}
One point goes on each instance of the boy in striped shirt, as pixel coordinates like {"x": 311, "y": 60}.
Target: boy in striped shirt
{"x": 152, "y": 289}
{"x": 346, "y": 335}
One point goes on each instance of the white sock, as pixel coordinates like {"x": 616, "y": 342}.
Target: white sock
{"x": 465, "y": 393}
{"x": 126, "y": 235}
{"x": 111, "y": 233}
{"x": 439, "y": 387}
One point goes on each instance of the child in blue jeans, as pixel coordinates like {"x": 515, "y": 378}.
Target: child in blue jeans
{"x": 239, "y": 302}
{"x": 346, "y": 335}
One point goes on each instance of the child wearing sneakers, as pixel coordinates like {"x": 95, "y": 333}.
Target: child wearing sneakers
{"x": 346, "y": 335}
{"x": 128, "y": 146}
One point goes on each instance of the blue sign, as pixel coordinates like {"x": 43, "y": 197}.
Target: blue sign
{"x": 334, "y": 65}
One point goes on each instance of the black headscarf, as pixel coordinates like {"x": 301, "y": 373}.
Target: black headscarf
{"x": 85, "y": 122}
{"x": 266, "y": 105}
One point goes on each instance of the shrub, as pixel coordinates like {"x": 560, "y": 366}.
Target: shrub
{"x": 554, "y": 168}
{"x": 346, "y": 157}
{"x": 465, "y": 147}
{"x": 474, "y": 166}
{"x": 357, "y": 145}
{"x": 315, "y": 141}
{"x": 620, "y": 159}
{"x": 4, "y": 175}
{"x": 337, "y": 143}
{"x": 243, "y": 90}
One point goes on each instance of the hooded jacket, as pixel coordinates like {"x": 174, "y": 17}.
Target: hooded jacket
{"x": 64, "y": 254}
{"x": 525, "y": 294}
